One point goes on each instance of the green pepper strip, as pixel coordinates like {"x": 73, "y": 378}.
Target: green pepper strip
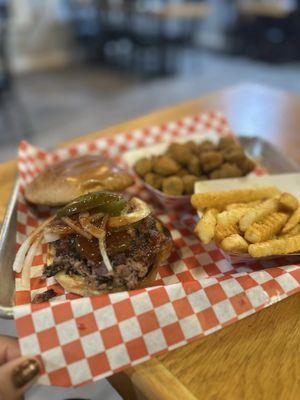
{"x": 106, "y": 202}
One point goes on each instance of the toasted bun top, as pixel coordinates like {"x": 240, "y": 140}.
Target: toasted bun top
{"x": 64, "y": 181}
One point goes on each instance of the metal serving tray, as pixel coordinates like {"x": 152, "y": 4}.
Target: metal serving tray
{"x": 262, "y": 151}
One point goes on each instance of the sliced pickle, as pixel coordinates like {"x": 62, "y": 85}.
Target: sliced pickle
{"x": 106, "y": 202}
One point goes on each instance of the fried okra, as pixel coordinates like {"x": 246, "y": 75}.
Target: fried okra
{"x": 143, "y": 166}
{"x": 227, "y": 170}
{"x": 211, "y": 160}
{"x": 182, "y": 164}
{"x": 226, "y": 142}
{"x": 247, "y": 165}
{"x": 230, "y": 170}
{"x": 154, "y": 180}
{"x": 182, "y": 172}
{"x": 165, "y": 166}
{"x": 234, "y": 154}
{"x": 194, "y": 166}
{"x": 173, "y": 186}
{"x": 207, "y": 145}
{"x": 189, "y": 182}
{"x": 180, "y": 152}
{"x": 192, "y": 146}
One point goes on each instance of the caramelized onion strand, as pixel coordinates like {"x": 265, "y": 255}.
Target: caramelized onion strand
{"x": 25, "y": 246}
{"x": 76, "y": 228}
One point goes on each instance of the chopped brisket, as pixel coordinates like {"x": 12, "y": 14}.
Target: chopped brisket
{"x": 130, "y": 264}
{"x": 45, "y": 296}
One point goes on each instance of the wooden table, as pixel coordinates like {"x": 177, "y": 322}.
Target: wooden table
{"x": 258, "y": 357}
{"x": 180, "y": 11}
{"x": 263, "y": 9}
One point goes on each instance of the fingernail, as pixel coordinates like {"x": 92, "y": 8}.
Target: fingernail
{"x": 25, "y": 372}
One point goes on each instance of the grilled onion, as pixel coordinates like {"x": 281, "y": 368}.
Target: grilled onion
{"x": 25, "y": 279}
{"x": 21, "y": 253}
{"x": 76, "y": 228}
{"x": 98, "y": 233}
{"x": 89, "y": 227}
{"x": 50, "y": 237}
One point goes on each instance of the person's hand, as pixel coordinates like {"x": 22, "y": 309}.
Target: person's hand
{"x": 17, "y": 374}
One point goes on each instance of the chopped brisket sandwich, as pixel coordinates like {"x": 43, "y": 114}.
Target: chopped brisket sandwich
{"x": 101, "y": 243}
{"x": 64, "y": 181}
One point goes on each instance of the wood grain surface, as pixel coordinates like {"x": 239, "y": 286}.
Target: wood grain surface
{"x": 188, "y": 10}
{"x": 258, "y": 357}
{"x": 8, "y": 172}
{"x": 260, "y": 9}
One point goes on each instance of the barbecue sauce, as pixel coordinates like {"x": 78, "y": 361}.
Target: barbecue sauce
{"x": 116, "y": 242}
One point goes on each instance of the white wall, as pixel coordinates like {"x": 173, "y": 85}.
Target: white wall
{"x": 39, "y": 38}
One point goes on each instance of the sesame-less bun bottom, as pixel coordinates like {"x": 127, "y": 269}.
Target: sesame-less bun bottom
{"x": 78, "y": 285}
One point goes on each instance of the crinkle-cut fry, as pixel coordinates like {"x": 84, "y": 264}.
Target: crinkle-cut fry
{"x": 239, "y": 205}
{"x": 258, "y": 212}
{"x": 235, "y": 243}
{"x": 266, "y": 228}
{"x": 205, "y": 229}
{"x": 288, "y": 202}
{"x": 274, "y": 247}
{"x": 221, "y": 199}
{"x": 292, "y": 221}
{"x": 221, "y": 231}
{"x": 231, "y": 217}
{"x": 292, "y": 232}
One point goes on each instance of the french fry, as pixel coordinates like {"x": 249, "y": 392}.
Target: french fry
{"x": 275, "y": 247}
{"x": 266, "y": 228}
{"x": 231, "y": 217}
{"x": 288, "y": 202}
{"x": 239, "y": 205}
{"x": 262, "y": 221}
{"x": 293, "y": 221}
{"x": 292, "y": 232}
{"x": 221, "y": 199}
{"x": 258, "y": 212}
{"x": 205, "y": 228}
{"x": 221, "y": 231}
{"x": 235, "y": 243}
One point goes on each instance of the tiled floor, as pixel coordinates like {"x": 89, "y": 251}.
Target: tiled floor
{"x": 73, "y": 101}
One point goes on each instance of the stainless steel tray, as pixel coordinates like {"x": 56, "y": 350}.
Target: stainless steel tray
{"x": 7, "y": 255}
{"x": 262, "y": 151}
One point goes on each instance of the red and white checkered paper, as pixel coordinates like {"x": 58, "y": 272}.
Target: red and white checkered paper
{"x": 198, "y": 292}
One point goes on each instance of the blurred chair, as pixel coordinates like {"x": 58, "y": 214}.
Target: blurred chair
{"x": 163, "y": 29}
{"x": 15, "y": 121}
{"x": 97, "y": 26}
{"x": 137, "y": 33}
{"x": 115, "y": 20}
{"x": 267, "y": 31}
{"x": 84, "y": 16}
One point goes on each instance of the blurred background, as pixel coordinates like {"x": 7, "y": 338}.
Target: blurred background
{"x": 69, "y": 67}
